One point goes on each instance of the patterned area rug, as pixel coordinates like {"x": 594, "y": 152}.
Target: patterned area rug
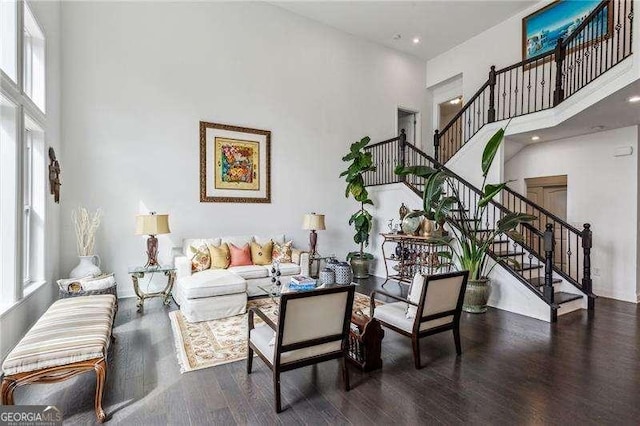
{"x": 209, "y": 343}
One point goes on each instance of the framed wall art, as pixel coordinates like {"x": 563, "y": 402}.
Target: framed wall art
{"x": 542, "y": 29}
{"x": 235, "y": 164}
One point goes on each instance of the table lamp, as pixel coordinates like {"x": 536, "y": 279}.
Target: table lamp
{"x": 313, "y": 222}
{"x": 152, "y": 224}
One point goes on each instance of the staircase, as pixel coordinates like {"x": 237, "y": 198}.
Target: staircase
{"x": 553, "y": 253}
{"x": 540, "y": 262}
{"x": 600, "y": 42}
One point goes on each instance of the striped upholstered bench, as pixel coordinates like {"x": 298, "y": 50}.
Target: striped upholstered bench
{"x": 72, "y": 337}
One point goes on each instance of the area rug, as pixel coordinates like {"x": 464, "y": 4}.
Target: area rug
{"x": 209, "y": 343}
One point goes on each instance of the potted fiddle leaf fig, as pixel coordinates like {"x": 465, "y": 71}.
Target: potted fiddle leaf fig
{"x": 470, "y": 244}
{"x": 360, "y": 163}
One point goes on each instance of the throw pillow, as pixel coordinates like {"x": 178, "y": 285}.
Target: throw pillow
{"x": 282, "y": 252}
{"x": 240, "y": 256}
{"x": 220, "y": 256}
{"x": 261, "y": 254}
{"x": 415, "y": 291}
{"x": 201, "y": 258}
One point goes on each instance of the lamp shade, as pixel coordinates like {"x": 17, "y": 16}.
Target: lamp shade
{"x": 313, "y": 221}
{"x": 152, "y": 224}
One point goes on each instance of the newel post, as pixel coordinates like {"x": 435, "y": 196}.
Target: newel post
{"x": 491, "y": 114}
{"x": 436, "y": 145}
{"x": 402, "y": 142}
{"x": 558, "y": 93}
{"x": 587, "y": 243}
{"x": 549, "y": 244}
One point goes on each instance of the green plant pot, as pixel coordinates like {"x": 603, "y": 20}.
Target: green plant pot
{"x": 476, "y": 296}
{"x": 360, "y": 267}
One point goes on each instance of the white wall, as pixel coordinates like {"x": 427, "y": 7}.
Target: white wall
{"x": 134, "y": 97}
{"x": 602, "y": 190}
{"x": 16, "y": 321}
{"x": 500, "y": 45}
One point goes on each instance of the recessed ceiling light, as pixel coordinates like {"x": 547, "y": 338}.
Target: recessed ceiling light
{"x": 535, "y": 138}
{"x": 416, "y": 40}
{"x": 397, "y": 36}
{"x": 455, "y": 101}
{"x": 634, "y": 99}
{"x": 598, "y": 128}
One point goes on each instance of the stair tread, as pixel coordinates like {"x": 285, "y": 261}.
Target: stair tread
{"x": 539, "y": 281}
{"x": 508, "y": 253}
{"x": 564, "y": 297}
{"x": 525, "y": 267}
{"x": 501, "y": 242}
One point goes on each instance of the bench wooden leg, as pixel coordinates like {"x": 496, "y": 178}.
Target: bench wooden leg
{"x": 6, "y": 390}
{"x": 101, "y": 376}
{"x": 57, "y": 374}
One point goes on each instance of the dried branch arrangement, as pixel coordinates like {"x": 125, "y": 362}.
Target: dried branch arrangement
{"x": 86, "y": 225}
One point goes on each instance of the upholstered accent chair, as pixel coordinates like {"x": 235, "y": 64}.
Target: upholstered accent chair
{"x": 312, "y": 327}
{"x": 438, "y": 309}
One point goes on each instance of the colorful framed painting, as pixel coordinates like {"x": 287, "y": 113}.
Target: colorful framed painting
{"x": 235, "y": 164}
{"x": 542, "y": 29}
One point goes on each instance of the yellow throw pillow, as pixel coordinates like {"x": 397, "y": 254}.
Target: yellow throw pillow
{"x": 261, "y": 254}
{"x": 220, "y": 256}
{"x": 200, "y": 259}
{"x": 282, "y": 252}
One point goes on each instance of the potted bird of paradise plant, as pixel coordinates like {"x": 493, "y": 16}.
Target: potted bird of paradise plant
{"x": 469, "y": 243}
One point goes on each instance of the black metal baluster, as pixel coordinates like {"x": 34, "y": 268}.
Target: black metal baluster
{"x": 587, "y": 284}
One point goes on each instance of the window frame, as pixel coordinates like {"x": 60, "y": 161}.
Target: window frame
{"x": 26, "y": 111}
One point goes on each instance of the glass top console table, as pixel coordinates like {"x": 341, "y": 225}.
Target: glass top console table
{"x": 140, "y": 271}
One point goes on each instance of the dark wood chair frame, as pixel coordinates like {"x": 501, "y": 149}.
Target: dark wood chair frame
{"x": 276, "y": 367}
{"x": 416, "y": 334}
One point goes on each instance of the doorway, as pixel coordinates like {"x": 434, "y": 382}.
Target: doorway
{"x": 408, "y": 120}
{"x": 447, "y": 110}
{"x": 550, "y": 193}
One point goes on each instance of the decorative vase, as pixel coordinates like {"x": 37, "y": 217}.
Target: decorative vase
{"x": 403, "y": 211}
{"x": 86, "y": 267}
{"x": 343, "y": 273}
{"x": 327, "y": 276}
{"x": 476, "y": 296}
{"x": 411, "y": 224}
{"x": 428, "y": 228}
{"x": 331, "y": 263}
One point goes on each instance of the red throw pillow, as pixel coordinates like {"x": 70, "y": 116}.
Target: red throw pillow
{"x": 240, "y": 256}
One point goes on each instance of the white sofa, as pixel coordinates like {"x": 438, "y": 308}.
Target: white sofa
{"x": 221, "y": 293}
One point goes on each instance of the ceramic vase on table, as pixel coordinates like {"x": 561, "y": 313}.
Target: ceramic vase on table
{"x": 87, "y": 267}
{"x": 327, "y": 276}
{"x": 343, "y": 273}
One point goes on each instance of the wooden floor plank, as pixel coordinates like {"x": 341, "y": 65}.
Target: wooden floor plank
{"x": 513, "y": 370}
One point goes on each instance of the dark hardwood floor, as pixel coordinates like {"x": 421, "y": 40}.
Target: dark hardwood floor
{"x": 513, "y": 370}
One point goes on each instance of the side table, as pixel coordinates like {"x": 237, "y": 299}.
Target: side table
{"x": 139, "y": 272}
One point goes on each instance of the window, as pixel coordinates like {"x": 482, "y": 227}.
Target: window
{"x": 33, "y": 198}
{"x": 22, "y": 151}
{"x": 9, "y": 39}
{"x": 8, "y": 197}
{"x": 33, "y": 67}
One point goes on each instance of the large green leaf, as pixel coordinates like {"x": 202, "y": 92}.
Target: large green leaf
{"x": 511, "y": 220}
{"x": 416, "y": 213}
{"x": 420, "y": 171}
{"x": 491, "y": 191}
{"x": 490, "y": 151}
{"x": 357, "y": 146}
